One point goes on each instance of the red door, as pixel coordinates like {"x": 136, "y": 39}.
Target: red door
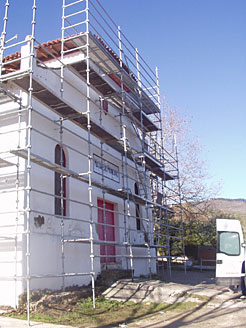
{"x": 106, "y": 230}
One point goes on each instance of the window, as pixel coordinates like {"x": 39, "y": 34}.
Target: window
{"x": 60, "y": 183}
{"x": 105, "y": 106}
{"x": 229, "y": 243}
{"x": 138, "y": 219}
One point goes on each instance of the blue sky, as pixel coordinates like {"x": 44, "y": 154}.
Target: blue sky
{"x": 200, "y": 49}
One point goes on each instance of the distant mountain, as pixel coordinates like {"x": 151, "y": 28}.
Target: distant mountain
{"x": 228, "y": 205}
{"x": 231, "y": 199}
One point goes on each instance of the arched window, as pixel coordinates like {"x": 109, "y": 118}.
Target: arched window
{"x": 60, "y": 183}
{"x": 138, "y": 219}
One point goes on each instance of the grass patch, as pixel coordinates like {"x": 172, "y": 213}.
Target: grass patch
{"x": 106, "y": 313}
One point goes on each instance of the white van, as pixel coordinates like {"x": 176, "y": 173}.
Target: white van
{"x": 230, "y": 255}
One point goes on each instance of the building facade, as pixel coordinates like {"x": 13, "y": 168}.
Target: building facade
{"x": 83, "y": 168}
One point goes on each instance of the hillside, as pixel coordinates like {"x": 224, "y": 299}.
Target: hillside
{"x": 233, "y": 208}
{"x": 237, "y": 206}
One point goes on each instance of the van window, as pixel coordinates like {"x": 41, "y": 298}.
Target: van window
{"x": 229, "y": 243}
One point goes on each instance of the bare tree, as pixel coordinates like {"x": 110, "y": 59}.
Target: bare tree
{"x": 193, "y": 173}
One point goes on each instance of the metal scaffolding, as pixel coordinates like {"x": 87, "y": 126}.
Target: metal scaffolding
{"x": 107, "y": 64}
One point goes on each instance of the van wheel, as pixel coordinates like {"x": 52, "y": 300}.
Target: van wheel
{"x": 243, "y": 285}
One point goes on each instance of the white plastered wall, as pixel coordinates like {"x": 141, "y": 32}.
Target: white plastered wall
{"x": 12, "y": 223}
{"x": 45, "y": 241}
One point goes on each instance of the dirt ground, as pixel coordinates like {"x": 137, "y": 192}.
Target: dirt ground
{"x": 213, "y": 306}
{"x": 227, "y": 314}
{"x": 220, "y": 306}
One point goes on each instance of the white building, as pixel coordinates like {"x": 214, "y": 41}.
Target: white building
{"x": 82, "y": 165}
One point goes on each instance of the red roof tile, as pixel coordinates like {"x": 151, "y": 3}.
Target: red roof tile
{"x": 54, "y": 47}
